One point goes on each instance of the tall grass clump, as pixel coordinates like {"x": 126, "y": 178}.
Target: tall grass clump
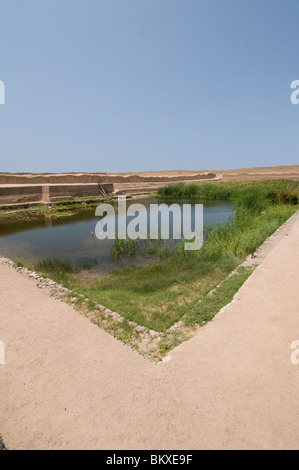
{"x": 260, "y": 209}
{"x": 154, "y": 247}
{"x": 249, "y": 194}
{"x": 57, "y": 269}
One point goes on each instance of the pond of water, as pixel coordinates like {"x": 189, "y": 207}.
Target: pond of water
{"x": 70, "y": 238}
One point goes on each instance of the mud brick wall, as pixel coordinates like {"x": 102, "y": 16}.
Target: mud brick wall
{"x": 77, "y": 190}
{"x": 20, "y": 194}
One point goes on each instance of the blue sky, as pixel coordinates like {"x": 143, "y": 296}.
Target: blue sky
{"x": 137, "y": 85}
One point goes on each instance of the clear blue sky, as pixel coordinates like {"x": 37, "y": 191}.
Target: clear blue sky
{"x": 136, "y": 85}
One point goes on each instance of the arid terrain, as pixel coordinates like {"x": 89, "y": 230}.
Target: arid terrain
{"x": 258, "y": 173}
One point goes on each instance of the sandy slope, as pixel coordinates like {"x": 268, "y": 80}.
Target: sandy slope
{"x": 257, "y": 173}
{"x": 282, "y": 171}
{"x": 260, "y": 173}
{"x": 67, "y": 384}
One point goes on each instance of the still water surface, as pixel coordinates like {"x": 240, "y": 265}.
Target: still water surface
{"x": 70, "y": 238}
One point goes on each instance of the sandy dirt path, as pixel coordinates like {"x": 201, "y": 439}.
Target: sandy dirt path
{"x": 66, "y": 384}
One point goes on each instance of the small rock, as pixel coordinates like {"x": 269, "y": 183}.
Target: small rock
{"x": 140, "y": 328}
{"x": 153, "y": 333}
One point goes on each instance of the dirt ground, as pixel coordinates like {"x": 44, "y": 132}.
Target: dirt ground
{"x": 2, "y": 446}
{"x": 66, "y": 384}
{"x": 259, "y": 173}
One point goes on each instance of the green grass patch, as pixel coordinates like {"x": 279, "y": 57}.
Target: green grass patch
{"x": 204, "y": 311}
{"x": 151, "y": 295}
